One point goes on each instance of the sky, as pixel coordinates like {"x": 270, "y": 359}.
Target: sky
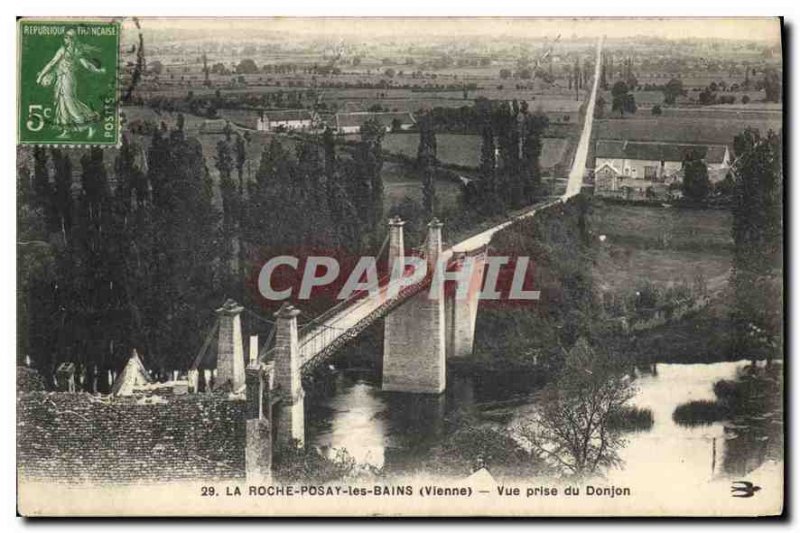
{"x": 766, "y": 30}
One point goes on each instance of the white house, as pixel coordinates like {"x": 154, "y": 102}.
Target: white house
{"x": 633, "y": 166}
{"x": 352, "y": 122}
{"x": 289, "y": 119}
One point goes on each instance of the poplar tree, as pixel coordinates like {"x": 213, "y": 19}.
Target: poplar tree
{"x": 533, "y": 127}
{"x": 426, "y": 161}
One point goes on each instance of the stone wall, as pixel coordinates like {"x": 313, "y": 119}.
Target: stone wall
{"x": 80, "y": 437}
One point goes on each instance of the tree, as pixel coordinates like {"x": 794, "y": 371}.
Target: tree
{"x": 38, "y": 317}
{"x": 622, "y": 99}
{"x": 488, "y": 170}
{"x": 672, "y": 90}
{"x": 426, "y": 161}
{"x": 772, "y": 85}
{"x": 343, "y": 213}
{"x": 247, "y": 66}
{"x": 42, "y": 194}
{"x": 696, "y": 185}
{"x": 707, "y": 97}
{"x": 506, "y": 130}
{"x": 757, "y": 235}
{"x": 533, "y": 128}
{"x": 364, "y": 182}
{"x": 573, "y": 428}
{"x": 240, "y": 155}
{"x": 505, "y": 73}
{"x": 132, "y": 187}
{"x": 62, "y": 197}
{"x": 183, "y": 252}
{"x": 224, "y": 163}
{"x": 603, "y": 78}
{"x": 155, "y": 67}
{"x": 656, "y": 110}
{"x": 599, "y": 107}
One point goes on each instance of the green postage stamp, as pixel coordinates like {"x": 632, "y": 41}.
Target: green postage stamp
{"x": 68, "y": 82}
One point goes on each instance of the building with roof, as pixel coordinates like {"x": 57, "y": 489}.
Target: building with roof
{"x": 286, "y": 119}
{"x": 628, "y": 168}
{"x": 392, "y": 121}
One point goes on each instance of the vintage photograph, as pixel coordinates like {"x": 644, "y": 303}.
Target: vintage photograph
{"x": 400, "y": 267}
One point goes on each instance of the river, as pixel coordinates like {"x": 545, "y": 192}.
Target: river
{"x": 391, "y": 430}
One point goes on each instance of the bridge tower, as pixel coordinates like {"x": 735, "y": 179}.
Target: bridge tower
{"x": 396, "y": 245}
{"x": 290, "y": 416}
{"x": 462, "y": 312}
{"x": 414, "y": 334}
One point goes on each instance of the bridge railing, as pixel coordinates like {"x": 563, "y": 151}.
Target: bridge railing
{"x": 317, "y": 334}
{"x": 363, "y": 294}
{"x": 318, "y": 353}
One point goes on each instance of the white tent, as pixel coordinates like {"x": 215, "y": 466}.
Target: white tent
{"x": 132, "y": 376}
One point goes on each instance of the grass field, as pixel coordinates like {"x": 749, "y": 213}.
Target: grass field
{"x": 697, "y": 126}
{"x": 465, "y": 150}
{"x": 398, "y": 184}
{"x": 660, "y": 245}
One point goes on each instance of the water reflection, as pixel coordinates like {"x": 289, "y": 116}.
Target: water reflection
{"x": 750, "y": 409}
{"x": 670, "y": 451}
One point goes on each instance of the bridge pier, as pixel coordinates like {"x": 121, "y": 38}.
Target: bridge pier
{"x": 462, "y": 313}
{"x": 291, "y": 416}
{"x": 230, "y": 350}
{"x": 414, "y": 334}
{"x": 258, "y": 422}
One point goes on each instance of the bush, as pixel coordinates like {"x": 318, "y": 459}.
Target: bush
{"x": 631, "y": 419}
{"x": 293, "y": 464}
{"x": 697, "y": 413}
{"x": 470, "y": 445}
{"x": 656, "y": 109}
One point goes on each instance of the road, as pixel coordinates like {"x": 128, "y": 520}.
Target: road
{"x": 575, "y": 175}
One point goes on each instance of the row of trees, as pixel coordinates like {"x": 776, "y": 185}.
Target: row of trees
{"x": 136, "y": 253}
{"x": 511, "y": 144}
{"x": 108, "y": 267}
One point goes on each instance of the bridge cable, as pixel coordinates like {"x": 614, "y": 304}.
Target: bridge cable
{"x": 383, "y": 246}
{"x": 265, "y": 350}
{"x": 259, "y": 317}
{"x": 201, "y": 354}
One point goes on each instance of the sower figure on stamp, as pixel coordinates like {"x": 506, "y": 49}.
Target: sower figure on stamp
{"x": 70, "y": 113}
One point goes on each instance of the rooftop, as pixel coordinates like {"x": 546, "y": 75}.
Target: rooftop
{"x": 658, "y": 151}
{"x": 284, "y": 115}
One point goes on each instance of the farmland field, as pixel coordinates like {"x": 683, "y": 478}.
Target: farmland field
{"x": 465, "y": 150}
{"x": 399, "y": 185}
{"x": 660, "y": 245}
{"x": 712, "y": 126}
